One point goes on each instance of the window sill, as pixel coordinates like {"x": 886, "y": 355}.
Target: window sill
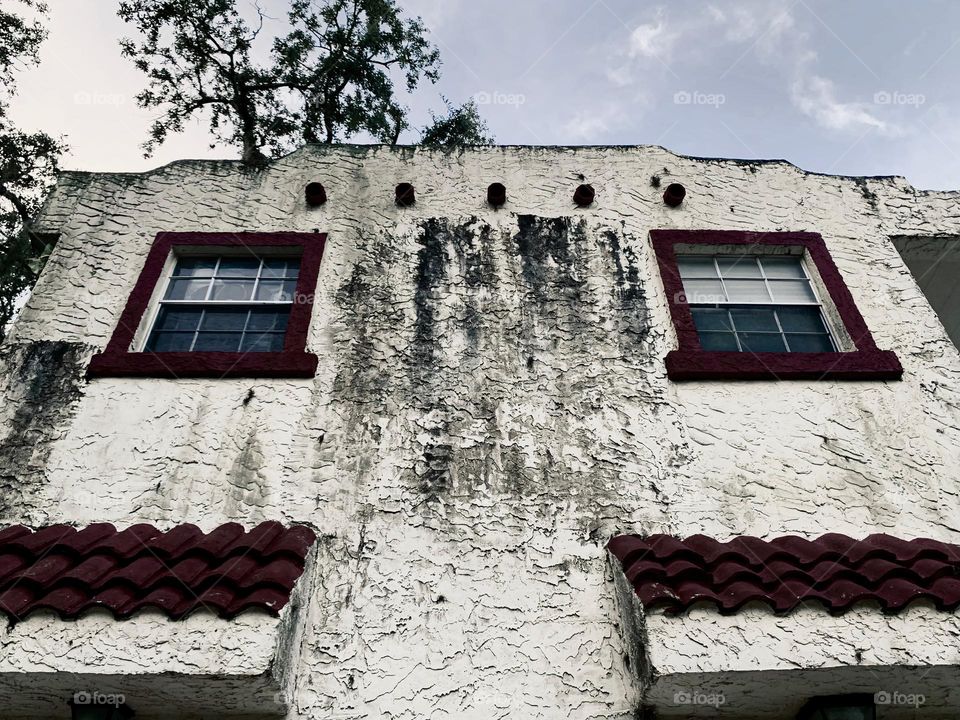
{"x": 858, "y": 365}
{"x": 204, "y": 365}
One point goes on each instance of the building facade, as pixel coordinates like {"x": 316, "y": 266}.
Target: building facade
{"x": 302, "y": 443}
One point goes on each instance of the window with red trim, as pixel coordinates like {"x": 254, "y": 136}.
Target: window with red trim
{"x": 218, "y": 305}
{"x": 763, "y": 306}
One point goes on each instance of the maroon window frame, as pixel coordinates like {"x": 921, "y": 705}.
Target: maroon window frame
{"x": 690, "y": 362}
{"x": 293, "y": 361}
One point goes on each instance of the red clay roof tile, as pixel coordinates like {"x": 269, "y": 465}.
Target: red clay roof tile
{"x": 835, "y": 570}
{"x": 227, "y": 570}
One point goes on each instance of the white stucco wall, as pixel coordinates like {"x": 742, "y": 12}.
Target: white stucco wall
{"x": 486, "y": 413}
{"x": 703, "y": 654}
{"x": 156, "y": 664}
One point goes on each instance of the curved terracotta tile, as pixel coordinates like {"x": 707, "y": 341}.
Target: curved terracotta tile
{"x": 834, "y": 571}
{"x": 228, "y": 570}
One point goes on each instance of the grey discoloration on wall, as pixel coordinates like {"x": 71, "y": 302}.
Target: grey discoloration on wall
{"x": 633, "y": 630}
{"x": 42, "y": 384}
{"x": 490, "y": 406}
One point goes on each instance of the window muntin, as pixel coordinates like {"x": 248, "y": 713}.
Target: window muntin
{"x": 754, "y": 303}
{"x": 225, "y": 303}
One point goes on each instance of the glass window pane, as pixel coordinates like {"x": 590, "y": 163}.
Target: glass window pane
{"x": 217, "y": 342}
{"x": 782, "y": 267}
{"x": 238, "y": 267}
{"x": 718, "y": 341}
{"x": 280, "y": 267}
{"x": 172, "y": 317}
{"x": 262, "y": 342}
{"x": 755, "y": 319}
{"x": 809, "y": 343}
{"x": 169, "y": 342}
{"x": 703, "y": 292}
{"x": 268, "y": 320}
{"x": 801, "y": 319}
{"x": 747, "y": 291}
{"x": 276, "y": 290}
{"x": 224, "y": 319}
{"x": 195, "y": 267}
{"x": 792, "y": 291}
{"x": 707, "y": 319}
{"x": 232, "y": 289}
{"x": 699, "y": 267}
{"x": 741, "y": 266}
{"x": 762, "y": 342}
{"x": 187, "y": 290}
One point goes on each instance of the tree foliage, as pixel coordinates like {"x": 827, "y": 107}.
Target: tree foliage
{"x": 330, "y": 76}
{"x": 28, "y": 164}
{"x": 461, "y": 126}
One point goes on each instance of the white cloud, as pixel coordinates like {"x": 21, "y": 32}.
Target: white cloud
{"x": 434, "y": 13}
{"x": 585, "y": 126}
{"x": 765, "y": 29}
{"x": 815, "y": 97}
{"x": 652, "y": 40}
{"x": 619, "y": 76}
{"x": 590, "y": 125}
{"x": 765, "y": 24}
{"x": 762, "y": 25}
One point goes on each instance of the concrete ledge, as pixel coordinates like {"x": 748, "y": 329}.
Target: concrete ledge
{"x": 755, "y": 665}
{"x": 200, "y": 666}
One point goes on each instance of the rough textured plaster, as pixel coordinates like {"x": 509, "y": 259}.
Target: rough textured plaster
{"x": 914, "y": 652}
{"x": 491, "y": 406}
{"x": 154, "y": 662}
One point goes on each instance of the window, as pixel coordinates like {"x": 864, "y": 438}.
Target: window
{"x": 752, "y": 303}
{"x": 218, "y": 305}
{"x": 769, "y": 306}
{"x": 859, "y": 706}
{"x": 225, "y": 304}
{"x": 935, "y": 265}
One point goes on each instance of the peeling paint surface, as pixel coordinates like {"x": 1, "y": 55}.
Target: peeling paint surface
{"x": 491, "y": 406}
{"x": 911, "y": 654}
{"x": 216, "y": 665}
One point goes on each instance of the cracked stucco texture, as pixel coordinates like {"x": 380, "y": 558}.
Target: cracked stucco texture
{"x": 490, "y": 406}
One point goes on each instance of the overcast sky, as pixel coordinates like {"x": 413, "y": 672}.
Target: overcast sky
{"x": 861, "y": 87}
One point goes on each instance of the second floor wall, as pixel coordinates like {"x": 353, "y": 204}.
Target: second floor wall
{"x": 484, "y": 371}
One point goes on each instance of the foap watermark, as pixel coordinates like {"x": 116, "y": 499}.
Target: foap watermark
{"x": 895, "y": 97}
{"x": 695, "y": 97}
{"x": 303, "y": 298}
{"x": 895, "y": 697}
{"x": 94, "y": 697}
{"x": 499, "y": 98}
{"x": 88, "y": 98}
{"x": 698, "y": 298}
{"x": 710, "y": 698}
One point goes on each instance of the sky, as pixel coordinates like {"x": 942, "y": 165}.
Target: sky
{"x": 863, "y": 87}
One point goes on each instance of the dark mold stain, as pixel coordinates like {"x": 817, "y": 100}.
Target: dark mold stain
{"x": 370, "y": 308}
{"x": 435, "y": 471}
{"x": 488, "y": 316}
{"x": 442, "y": 241}
{"x": 869, "y": 195}
{"x": 632, "y": 314}
{"x": 432, "y": 261}
{"x": 548, "y": 259}
{"x": 45, "y": 384}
